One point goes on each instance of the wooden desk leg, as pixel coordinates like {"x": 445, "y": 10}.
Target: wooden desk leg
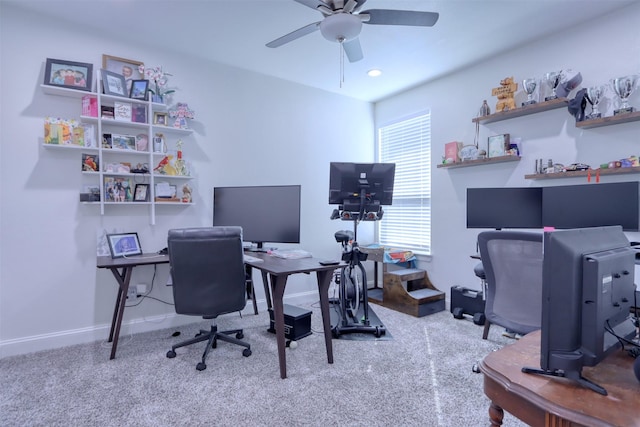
{"x": 267, "y": 292}
{"x": 278, "y": 284}
{"x": 123, "y": 288}
{"x": 496, "y": 414}
{"x": 324, "y": 281}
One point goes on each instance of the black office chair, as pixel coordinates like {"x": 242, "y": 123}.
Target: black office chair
{"x": 207, "y": 270}
{"x": 512, "y": 262}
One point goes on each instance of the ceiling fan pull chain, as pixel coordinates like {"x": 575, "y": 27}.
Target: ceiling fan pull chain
{"x": 341, "y": 47}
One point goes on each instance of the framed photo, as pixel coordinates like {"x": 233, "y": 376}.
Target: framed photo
{"x": 125, "y": 244}
{"x": 123, "y": 142}
{"x": 69, "y": 74}
{"x": 128, "y": 68}
{"x": 160, "y": 119}
{"x": 142, "y": 193}
{"x": 139, "y": 89}
{"x": 114, "y": 84}
{"x": 498, "y": 145}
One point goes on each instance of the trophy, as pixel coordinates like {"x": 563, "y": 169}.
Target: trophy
{"x": 594, "y": 93}
{"x": 623, "y": 87}
{"x": 529, "y": 86}
{"x": 553, "y": 80}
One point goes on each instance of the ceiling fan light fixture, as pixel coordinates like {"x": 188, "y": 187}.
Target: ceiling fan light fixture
{"x": 340, "y": 27}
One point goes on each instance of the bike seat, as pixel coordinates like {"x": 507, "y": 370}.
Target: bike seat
{"x": 343, "y": 236}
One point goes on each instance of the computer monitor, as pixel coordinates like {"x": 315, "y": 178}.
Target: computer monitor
{"x": 361, "y": 188}
{"x": 587, "y": 292}
{"x": 265, "y": 213}
{"x": 507, "y": 207}
{"x": 592, "y": 205}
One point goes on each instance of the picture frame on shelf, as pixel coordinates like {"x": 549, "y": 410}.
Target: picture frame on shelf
{"x": 68, "y": 74}
{"x": 160, "y": 119}
{"x": 139, "y": 90}
{"x": 498, "y": 145}
{"x": 142, "y": 193}
{"x": 122, "y": 111}
{"x": 113, "y": 83}
{"x": 123, "y": 142}
{"x": 124, "y": 244}
{"x": 128, "y": 68}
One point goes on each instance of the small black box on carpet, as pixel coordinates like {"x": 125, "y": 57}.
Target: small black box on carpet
{"x": 297, "y": 322}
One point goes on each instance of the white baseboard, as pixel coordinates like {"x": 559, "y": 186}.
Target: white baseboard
{"x": 89, "y": 334}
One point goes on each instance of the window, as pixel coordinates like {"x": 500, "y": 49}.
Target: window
{"x": 407, "y": 223}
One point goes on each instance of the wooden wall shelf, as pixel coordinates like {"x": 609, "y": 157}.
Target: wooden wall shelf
{"x": 523, "y": 111}
{"x": 574, "y": 174}
{"x": 478, "y": 162}
{"x": 610, "y": 120}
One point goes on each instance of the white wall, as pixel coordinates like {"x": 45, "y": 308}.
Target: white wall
{"x": 249, "y": 130}
{"x": 603, "y": 49}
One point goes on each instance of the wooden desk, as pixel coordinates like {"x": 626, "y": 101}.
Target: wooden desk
{"x": 278, "y": 270}
{"x": 545, "y": 401}
{"x": 122, "y": 269}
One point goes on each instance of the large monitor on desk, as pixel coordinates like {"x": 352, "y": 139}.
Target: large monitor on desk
{"x": 265, "y": 213}
{"x": 587, "y": 292}
{"x": 507, "y": 207}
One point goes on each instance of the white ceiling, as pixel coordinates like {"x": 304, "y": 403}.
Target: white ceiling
{"x": 235, "y": 32}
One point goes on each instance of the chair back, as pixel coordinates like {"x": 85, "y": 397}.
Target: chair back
{"x": 512, "y": 262}
{"x": 207, "y": 270}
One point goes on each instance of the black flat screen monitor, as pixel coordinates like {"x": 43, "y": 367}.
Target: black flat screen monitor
{"x": 265, "y": 213}
{"x": 348, "y": 180}
{"x": 508, "y": 207}
{"x": 592, "y": 205}
{"x": 587, "y": 292}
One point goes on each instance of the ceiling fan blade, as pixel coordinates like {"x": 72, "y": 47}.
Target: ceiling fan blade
{"x": 401, "y": 17}
{"x": 300, "y": 32}
{"x": 353, "y": 50}
{"x": 314, "y": 4}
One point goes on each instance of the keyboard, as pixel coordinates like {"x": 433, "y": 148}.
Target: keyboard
{"x": 249, "y": 258}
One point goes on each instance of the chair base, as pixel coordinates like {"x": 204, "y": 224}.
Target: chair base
{"x": 212, "y": 338}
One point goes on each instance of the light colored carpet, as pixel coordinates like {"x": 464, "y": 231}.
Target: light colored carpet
{"x": 421, "y": 377}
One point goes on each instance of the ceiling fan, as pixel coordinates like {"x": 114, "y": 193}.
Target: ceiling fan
{"x": 343, "y": 21}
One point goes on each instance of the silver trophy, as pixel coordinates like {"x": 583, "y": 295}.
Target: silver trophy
{"x": 594, "y": 94}
{"x": 553, "y": 80}
{"x": 529, "y": 86}
{"x": 624, "y": 87}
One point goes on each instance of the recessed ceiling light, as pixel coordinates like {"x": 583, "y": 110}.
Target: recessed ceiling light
{"x": 374, "y": 73}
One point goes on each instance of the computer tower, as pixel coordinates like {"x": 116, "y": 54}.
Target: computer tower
{"x": 297, "y": 322}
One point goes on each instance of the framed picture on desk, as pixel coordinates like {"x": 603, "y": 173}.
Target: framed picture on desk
{"x": 125, "y": 244}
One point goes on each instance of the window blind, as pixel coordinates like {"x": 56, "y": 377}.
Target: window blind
{"x": 407, "y": 223}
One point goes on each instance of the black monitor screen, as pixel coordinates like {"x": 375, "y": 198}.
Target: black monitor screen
{"x": 592, "y": 205}
{"x": 265, "y": 213}
{"x": 587, "y": 291}
{"x": 509, "y": 207}
{"x": 346, "y": 181}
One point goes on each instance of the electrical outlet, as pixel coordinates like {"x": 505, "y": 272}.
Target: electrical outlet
{"x": 132, "y": 293}
{"x": 142, "y": 288}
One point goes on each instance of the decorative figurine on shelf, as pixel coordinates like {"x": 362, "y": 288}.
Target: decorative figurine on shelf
{"x": 186, "y": 194}
{"x": 485, "y": 110}
{"x": 165, "y": 167}
{"x": 505, "y": 94}
{"x": 180, "y": 165}
{"x": 181, "y": 114}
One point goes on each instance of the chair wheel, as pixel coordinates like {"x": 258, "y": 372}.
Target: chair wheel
{"x": 458, "y": 312}
{"x": 239, "y": 335}
{"x": 171, "y": 354}
{"x": 479, "y": 319}
{"x": 201, "y": 366}
{"x": 475, "y": 368}
{"x": 246, "y": 352}
{"x": 378, "y": 333}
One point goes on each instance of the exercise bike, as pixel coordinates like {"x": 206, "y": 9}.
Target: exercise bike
{"x": 352, "y": 284}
